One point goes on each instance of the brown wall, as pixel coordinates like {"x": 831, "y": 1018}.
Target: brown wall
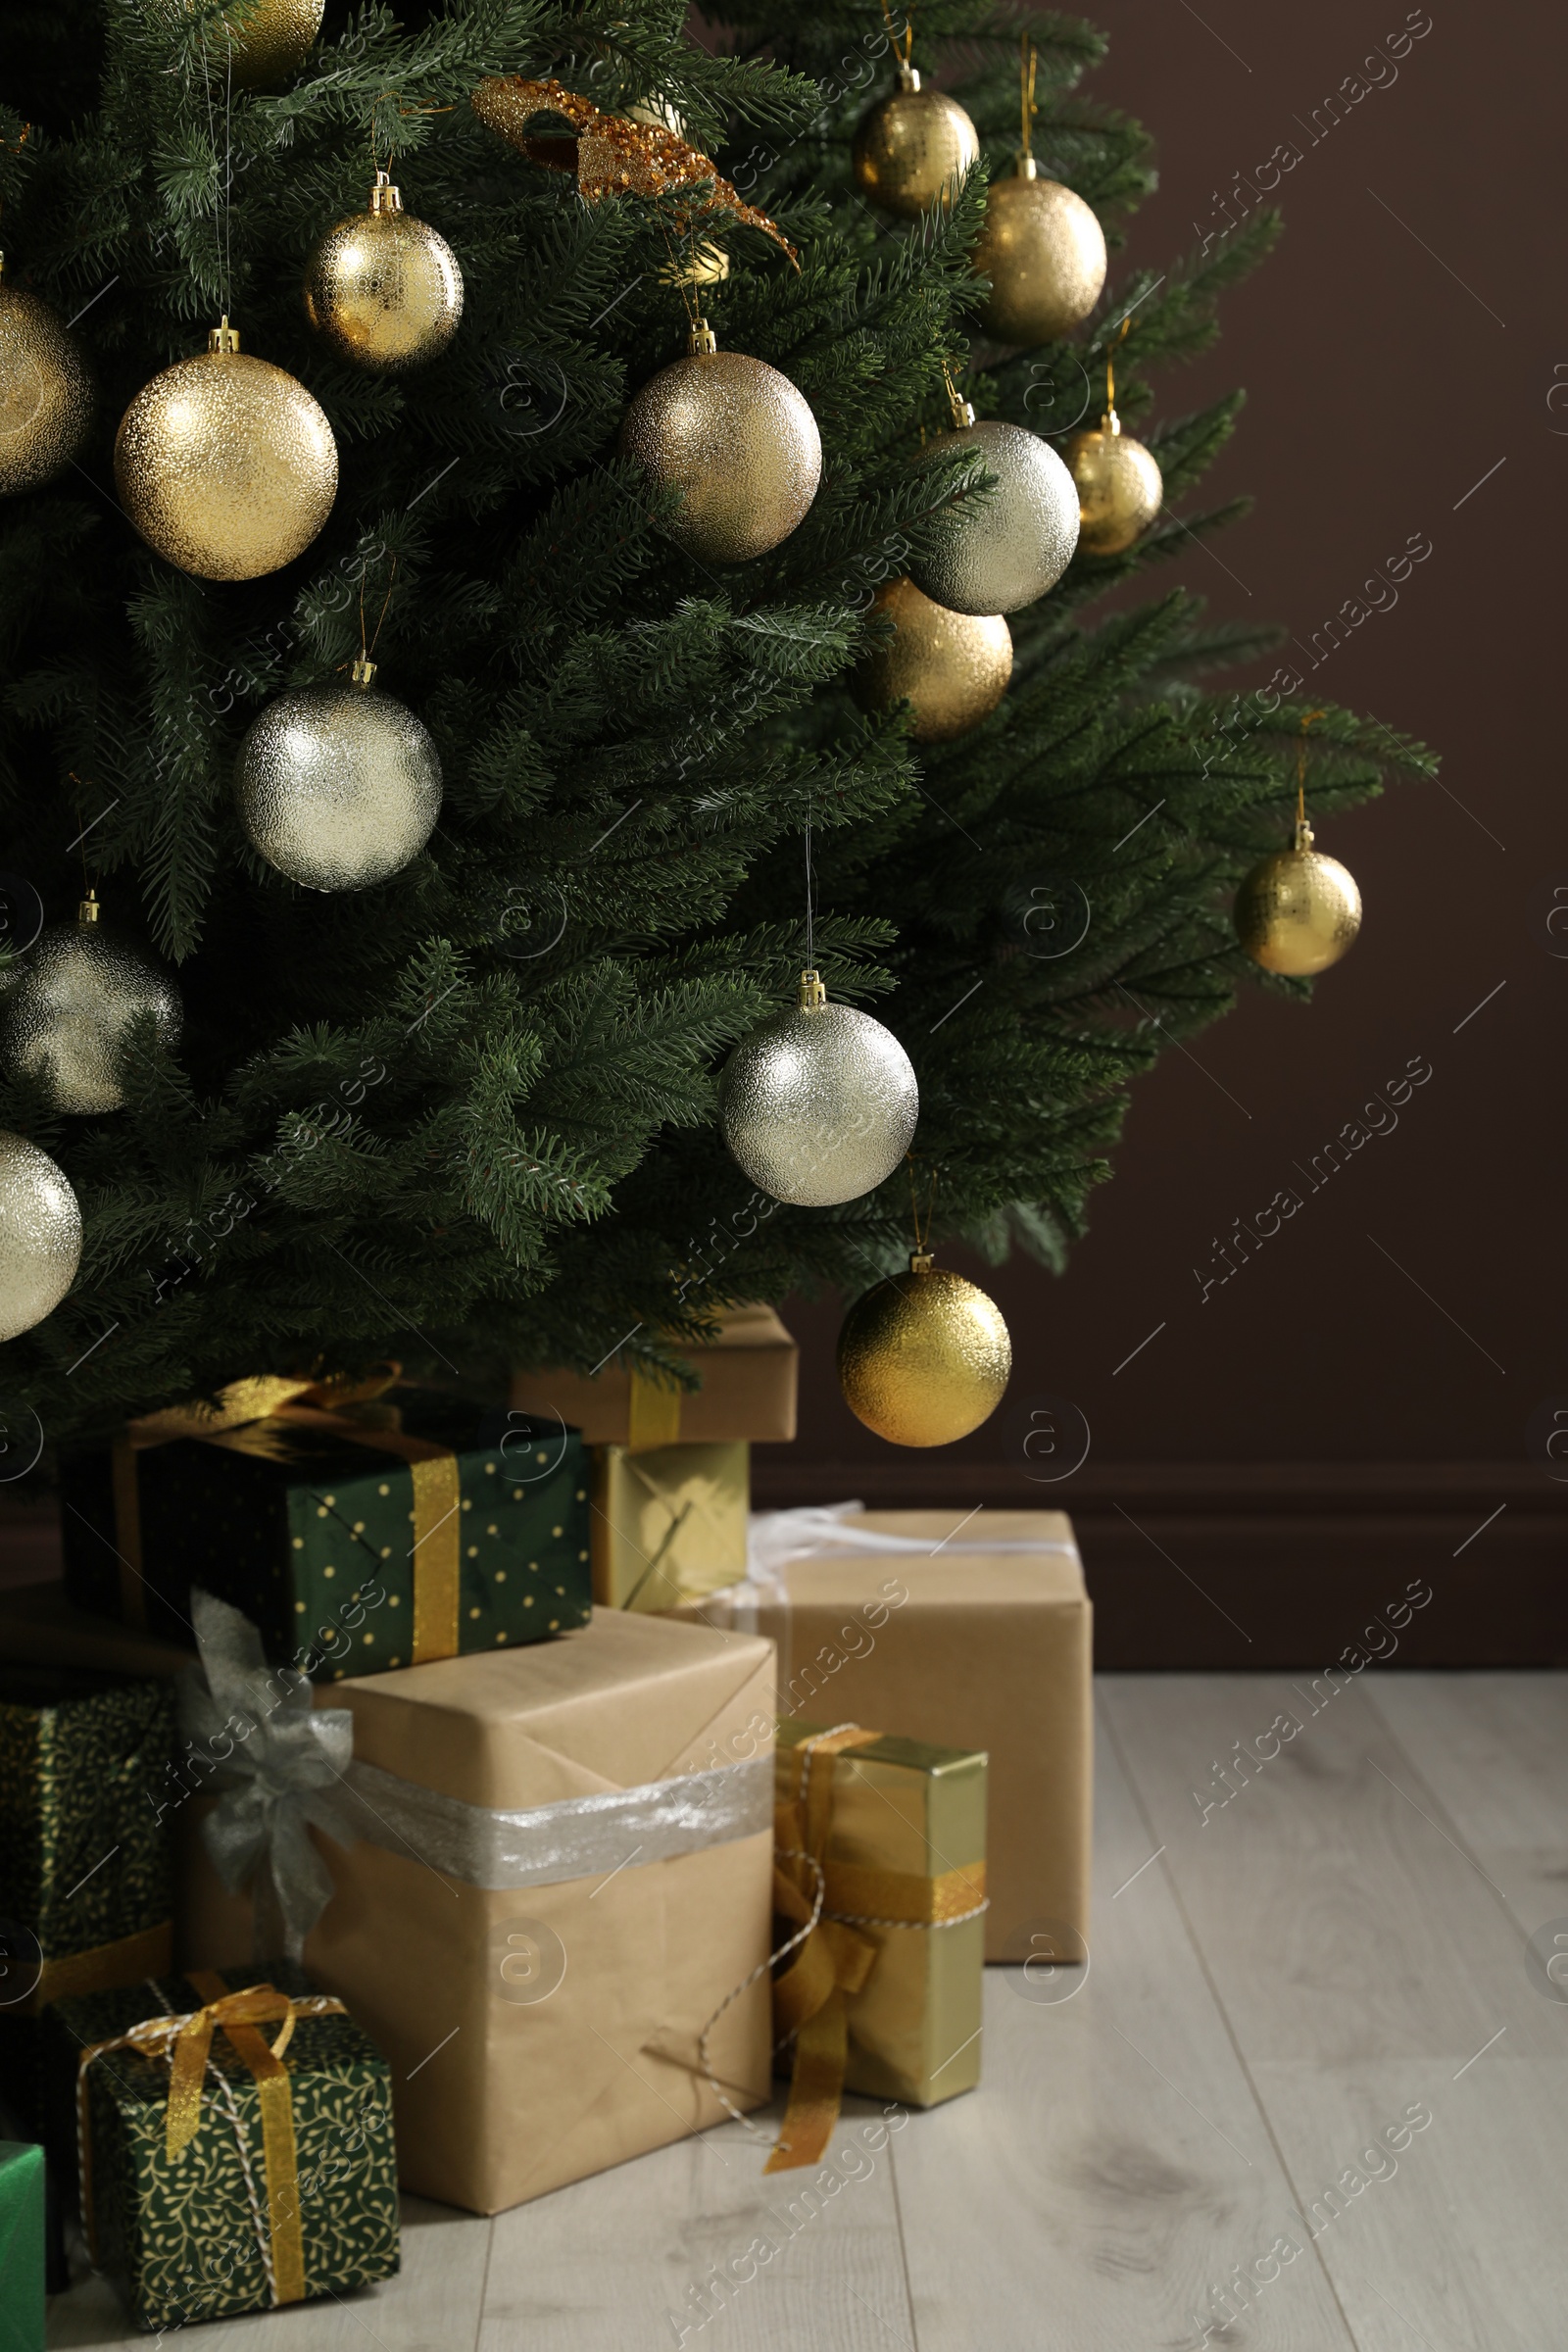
{"x": 1389, "y": 363}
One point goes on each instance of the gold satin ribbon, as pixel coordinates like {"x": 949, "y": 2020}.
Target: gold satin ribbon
{"x": 437, "y": 1550}
{"x": 185, "y": 2041}
{"x": 148, "y": 1953}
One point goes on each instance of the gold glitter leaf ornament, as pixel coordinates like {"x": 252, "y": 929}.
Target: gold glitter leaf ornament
{"x": 45, "y": 391}
{"x": 924, "y": 1358}
{"x": 225, "y": 465}
{"x": 40, "y": 1235}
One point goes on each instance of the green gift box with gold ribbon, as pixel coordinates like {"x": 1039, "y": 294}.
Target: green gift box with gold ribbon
{"x": 359, "y": 1532}
{"x": 236, "y": 2142}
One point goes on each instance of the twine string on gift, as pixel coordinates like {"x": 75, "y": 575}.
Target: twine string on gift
{"x": 184, "y": 2040}
{"x": 791, "y": 1943}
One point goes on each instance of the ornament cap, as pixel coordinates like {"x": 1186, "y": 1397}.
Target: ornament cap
{"x": 908, "y": 76}
{"x": 88, "y": 910}
{"x": 921, "y": 1261}
{"x": 814, "y": 995}
{"x": 384, "y": 197}
{"x": 1111, "y": 423}
{"x": 1028, "y": 166}
{"x": 701, "y": 339}
{"x": 1304, "y": 837}
{"x": 363, "y": 672}
{"x": 222, "y": 337}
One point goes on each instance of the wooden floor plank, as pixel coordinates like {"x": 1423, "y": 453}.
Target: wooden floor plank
{"x": 1337, "y": 1915}
{"x": 648, "y": 2255}
{"x": 1113, "y": 2165}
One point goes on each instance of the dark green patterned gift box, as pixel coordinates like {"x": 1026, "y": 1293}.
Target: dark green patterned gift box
{"x": 219, "y": 2227}
{"x": 357, "y": 1540}
{"x": 86, "y": 1883}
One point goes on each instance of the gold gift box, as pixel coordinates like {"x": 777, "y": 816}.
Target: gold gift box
{"x": 907, "y": 1837}
{"x": 667, "y": 1526}
{"x": 749, "y": 1376}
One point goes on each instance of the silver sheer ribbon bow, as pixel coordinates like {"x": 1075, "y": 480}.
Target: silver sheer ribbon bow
{"x": 277, "y": 1761}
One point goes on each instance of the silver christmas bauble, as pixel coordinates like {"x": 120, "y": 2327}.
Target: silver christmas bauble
{"x": 338, "y": 786}
{"x": 80, "y": 993}
{"x": 1002, "y": 557}
{"x": 40, "y": 1235}
{"x": 819, "y": 1104}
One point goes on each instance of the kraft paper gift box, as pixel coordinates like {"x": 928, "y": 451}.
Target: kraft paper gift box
{"x": 236, "y": 2142}
{"x": 22, "y": 2244}
{"x": 668, "y": 1525}
{"x": 966, "y": 1629}
{"x": 885, "y": 1998}
{"x": 565, "y": 1872}
{"x": 86, "y": 1879}
{"x": 359, "y": 1539}
{"x": 749, "y": 1376}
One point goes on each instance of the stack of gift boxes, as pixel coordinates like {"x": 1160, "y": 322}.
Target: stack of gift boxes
{"x": 503, "y": 1751}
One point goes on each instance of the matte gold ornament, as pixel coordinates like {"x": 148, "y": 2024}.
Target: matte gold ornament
{"x": 1298, "y": 912}
{"x": 78, "y": 994}
{"x": 924, "y": 1358}
{"x": 952, "y": 668}
{"x": 819, "y": 1104}
{"x": 1120, "y": 487}
{"x": 1003, "y": 557}
{"x": 739, "y": 442}
{"x": 40, "y": 1235}
{"x": 338, "y": 786}
{"x": 1043, "y": 251}
{"x": 45, "y": 391}
{"x": 383, "y": 289}
{"x": 225, "y": 465}
{"x": 263, "y": 45}
{"x": 913, "y": 148}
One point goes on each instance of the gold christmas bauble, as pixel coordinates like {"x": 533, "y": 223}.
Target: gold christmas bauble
{"x": 225, "y": 465}
{"x": 40, "y": 1235}
{"x": 263, "y": 44}
{"x": 383, "y": 289}
{"x": 952, "y": 668}
{"x": 1298, "y": 912}
{"x": 1120, "y": 487}
{"x": 338, "y": 786}
{"x": 819, "y": 1104}
{"x": 913, "y": 148}
{"x": 739, "y": 442}
{"x": 45, "y": 391}
{"x": 80, "y": 993}
{"x": 924, "y": 1358}
{"x": 1043, "y": 251}
{"x": 1004, "y": 556}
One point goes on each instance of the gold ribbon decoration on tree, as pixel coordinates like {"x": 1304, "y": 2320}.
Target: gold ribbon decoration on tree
{"x": 185, "y": 2043}
{"x": 611, "y": 156}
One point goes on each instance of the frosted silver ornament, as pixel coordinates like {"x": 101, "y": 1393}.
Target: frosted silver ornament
{"x": 40, "y": 1235}
{"x": 80, "y": 991}
{"x": 819, "y": 1104}
{"x": 1001, "y": 557}
{"x": 338, "y": 786}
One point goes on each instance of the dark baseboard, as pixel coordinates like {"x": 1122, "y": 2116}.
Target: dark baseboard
{"x": 1208, "y": 1565}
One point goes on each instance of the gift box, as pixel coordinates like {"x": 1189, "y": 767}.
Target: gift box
{"x": 563, "y": 1875}
{"x": 749, "y": 1376}
{"x": 361, "y": 1539}
{"x": 22, "y": 2247}
{"x": 86, "y": 1880}
{"x": 885, "y": 1995}
{"x": 668, "y": 1525}
{"x": 970, "y": 1629}
{"x": 236, "y": 2142}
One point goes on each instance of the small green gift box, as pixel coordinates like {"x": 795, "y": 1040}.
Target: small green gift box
{"x": 22, "y": 2275}
{"x": 236, "y": 2142}
{"x": 377, "y": 1535}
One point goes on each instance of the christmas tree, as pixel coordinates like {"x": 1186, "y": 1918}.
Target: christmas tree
{"x": 467, "y": 1116}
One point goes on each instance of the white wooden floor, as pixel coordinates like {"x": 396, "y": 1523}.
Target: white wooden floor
{"x": 1343, "y": 1942}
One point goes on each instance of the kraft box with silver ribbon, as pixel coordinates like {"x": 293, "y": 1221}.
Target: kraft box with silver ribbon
{"x": 536, "y": 1875}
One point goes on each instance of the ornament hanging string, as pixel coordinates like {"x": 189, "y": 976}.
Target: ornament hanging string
{"x": 1110, "y": 367}
{"x": 1310, "y": 719}
{"x": 222, "y": 202}
{"x": 811, "y": 957}
{"x": 367, "y": 652}
{"x": 922, "y": 1241}
{"x": 902, "y": 55}
{"x": 1028, "y": 61}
